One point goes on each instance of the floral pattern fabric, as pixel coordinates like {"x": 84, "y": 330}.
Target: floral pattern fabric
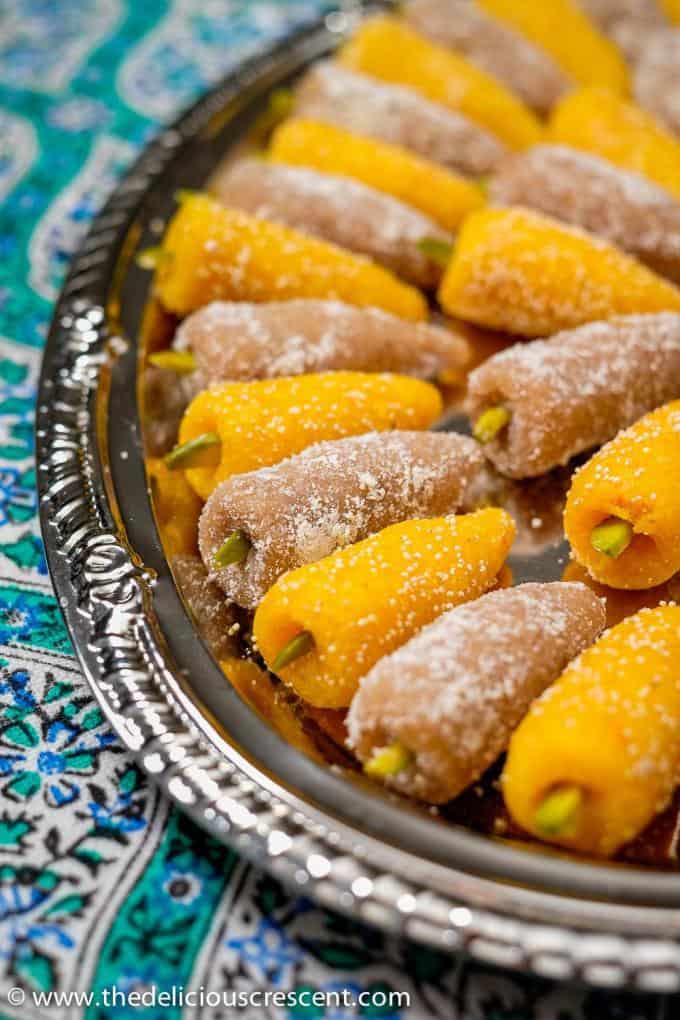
{"x": 101, "y": 883}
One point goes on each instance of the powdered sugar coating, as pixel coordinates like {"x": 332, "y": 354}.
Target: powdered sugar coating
{"x": 656, "y": 80}
{"x": 455, "y": 692}
{"x": 344, "y": 211}
{"x": 619, "y": 702}
{"x": 214, "y": 253}
{"x": 362, "y": 602}
{"x": 396, "y": 114}
{"x": 619, "y": 205}
{"x": 497, "y": 49}
{"x": 261, "y": 423}
{"x": 576, "y": 390}
{"x": 244, "y": 341}
{"x": 331, "y": 495}
{"x": 633, "y": 477}
{"x": 520, "y": 271}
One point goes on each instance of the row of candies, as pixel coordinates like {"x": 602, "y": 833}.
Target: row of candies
{"x": 306, "y": 360}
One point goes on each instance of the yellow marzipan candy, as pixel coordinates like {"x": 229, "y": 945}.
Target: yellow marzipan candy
{"x": 521, "y": 272}
{"x": 632, "y": 484}
{"x": 261, "y": 423}
{"x": 598, "y": 755}
{"x": 213, "y": 253}
{"x": 444, "y": 196}
{"x": 598, "y": 121}
{"x": 562, "y": 29}
{"x": 362, "y": 602}
{"x": 386, "y": 48}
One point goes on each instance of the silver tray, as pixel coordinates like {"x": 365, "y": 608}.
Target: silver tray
{"x": 350, "y": 848}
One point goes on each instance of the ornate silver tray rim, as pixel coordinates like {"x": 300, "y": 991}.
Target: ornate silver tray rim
{"x": 115, "y": 596}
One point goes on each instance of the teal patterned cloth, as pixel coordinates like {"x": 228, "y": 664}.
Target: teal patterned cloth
{"x": 101, "y": 883}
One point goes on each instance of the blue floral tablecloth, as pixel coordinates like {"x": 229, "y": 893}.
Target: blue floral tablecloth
{"x": 102, "y": 884}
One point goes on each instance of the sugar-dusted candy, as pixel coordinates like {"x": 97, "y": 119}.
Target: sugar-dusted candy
{"x": 239, "y": 340}
{"x": 575, "y": 391}
{"x": 562, "y": 29}
{"x": 213, "y": 253}
{"x": 393, "y": 113}
{"x": 441, "y": 195}
{"x": 519, "y": 271}
{"x": 323, "y": 626}
{"x": 607, "y": 125}
{"x": 258, "y": 525}
{"x": 449, "y": 699}
{"x": 622, "y": 516}
{"x": 526, "y": 69}
{"x": 598, "y": 755}
{"x": 338, "y": 209}
{"x": 242, "y": 426}
{"x": 386, "y": 48}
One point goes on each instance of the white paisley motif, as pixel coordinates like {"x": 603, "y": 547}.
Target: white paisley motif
{"x": 59, "y": 232}
{"x": 196, "y": 44}
{"x": 18, "y": 150}
{"x": 42, "y": 45}
{"x": 47, "y": 793}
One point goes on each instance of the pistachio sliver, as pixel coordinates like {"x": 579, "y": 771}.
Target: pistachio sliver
{"x": 201, "y": 451}
{"x": 490, "y": 423}
{"x": 437, "y": 250}
{"x": 558, "y": 813}
{"x": 182, "y": 194}
{"x": 149, "y": 258}
{"x": 612, "y": 537}
{"x": 295, "y": 649}
{"x": 234, "y": 549}
{"x": 182, "y": 362}
{"x": 388, "y": 761}
{"x": 281, "y": 104}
